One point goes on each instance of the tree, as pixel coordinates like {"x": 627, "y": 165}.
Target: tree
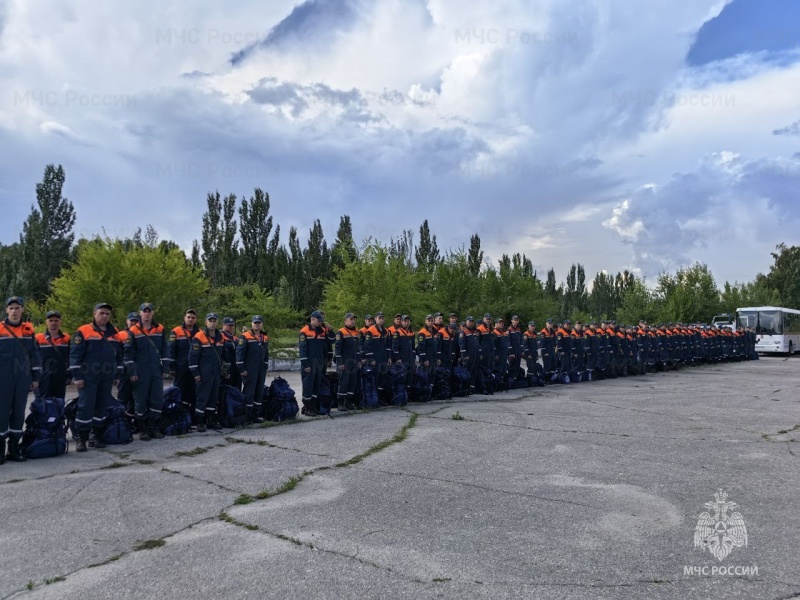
{"x": 638, "y": 302}
{"x": 344, "y": 249}
{"x": 218, "y": 241}
{"x": 603, "y": 299}
{"x": 427, "y": 252}
{"x": 784, "y": 275}
{"x": 317, "y": 268}
{"x": 245, "y": 300}
{"x": 255, "y": 226}
{"x": 475, "y": 255}
{"x": 105, "y": 270}
{"x": 46, "y": 236}
{"x": 9, "y": 259}
{"x": 378, "y": 281}
{"x": 691, "y": 295}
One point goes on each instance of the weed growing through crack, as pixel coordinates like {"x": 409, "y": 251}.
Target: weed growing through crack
{"x": 398, "y": 437}
{"x": 456, "y": 416}
{"x": 149, "y": 544}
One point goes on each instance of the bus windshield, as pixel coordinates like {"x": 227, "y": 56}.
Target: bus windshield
{"x": 770, "y": 322}
{"x": 747, "y": 319}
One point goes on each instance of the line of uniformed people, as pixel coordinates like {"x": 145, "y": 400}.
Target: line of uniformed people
{"x": 98, "y": 356}
{"x": 560, "y": 352}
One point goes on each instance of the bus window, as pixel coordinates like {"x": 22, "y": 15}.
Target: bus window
{"x": 747, "y": 319}
{"x": 770, "y": 322}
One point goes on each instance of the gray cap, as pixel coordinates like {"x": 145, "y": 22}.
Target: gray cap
{"x": 132, "y": 316}
{"x": 228, "y": 321}
{"x": 349, "y": 316}
{"x": 52, "y": 313}
{"x": 210, "y": 316}
{"x": 100, "y": 305}
{"x": 257, "y": 319}
{"x": 17, "y": 299}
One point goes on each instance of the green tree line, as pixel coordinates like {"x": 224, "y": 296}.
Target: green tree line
{"x": 240, "y": 265}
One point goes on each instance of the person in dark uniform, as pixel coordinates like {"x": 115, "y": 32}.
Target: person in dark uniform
{"x": 145, "y": 351}
{"x": 403, "y": 348}
{"x": 54, "y": 349}
{"x": 95, "y": 362}
{"x": 444, "y": 339}
{"x": 313, "y": 352}
{"x": 180, "y": 342}
{"x": 590, "y": 344}
{"x": 205, "y": 365}
{"x": 124, "y": 386}
{"x": 470, "y": 350}
{"x": 427, "y": 348}
{"x": 486, "y": 337}
{"x": 515, "y": 342}
{"x": 502, "y": 349}
{"x": 530, "y": 350}
{"x": 563, "y": 346}
{"x": 252, "y": 361}
{"x": 546, "y": 342}
{"x": 603, "y": 348}
{"x": 230, "y": 373}
{"x": 20, "y": 370}
{"x": 347, "y": 355}
{"x": 378, "y": 353}
{"x": 578, "y": 358}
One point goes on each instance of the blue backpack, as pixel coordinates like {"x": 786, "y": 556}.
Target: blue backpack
{"x": 175, "y": 419}
{"x": 369, "y": 390}
{"x": 118, "y": 428}
{"x": 281, "y": 405}
{"x": 441, "y": 385}
{"x": 231, "y": 409}
{"x": 45, "y": 430}
{"x": 422, "y": 389}
{"x": 396, "y": 380}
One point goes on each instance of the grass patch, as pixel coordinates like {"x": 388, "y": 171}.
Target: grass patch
{"x": 441, "y": 579}
{"x": 143, "y": 461}
{"x": 30, "y": 585}
{"x": 149, "y": 545}
{"x": 116, "y": 465}
{"x": 287, "y": 538}
{"x": 223, "y": 516}
{"x": 194, "y": 452}
{"x": 456, "y": 416}
{"x": 54, "y": 580}
{"x": 287, "y": 486}
{"x": 397, "y": 438}
{"x": 234, "y": 440}
{"x": 244, "y": 499}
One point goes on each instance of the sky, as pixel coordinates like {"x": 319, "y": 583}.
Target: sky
{"x": 615, "y": 134}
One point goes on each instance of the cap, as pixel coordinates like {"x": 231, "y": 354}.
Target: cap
{"x": 349, "y": 316}
{"x": 52, "y": 313}
{"x": 316, "y": 314}
{"x": 406, "y": 318}
{"x": 532, "y": 323}
{"x": 17, "y": 299}
{"x": 593, "y": 324}
{"x": 452, "y": 315}
{"x": 487, "y": 316}
{"x": 367, "y": 317}
{"x": 228, "y": 321}
{"x": 191, "y": 311}
{"x": 146, "y": 305}
{"x": 429, "y": 317}
{"x": 438, "y": 314}
{"x": 515, "y": 317}
{"x": 567, "y": 322}
{"x": 100, "y": 305}
{"x": 133, "y": 316}
{"x": 578, "y": 323}
{"x": 210, "y": 316}
{"x": 379, "y": 314}
{"x": 397, "y": 316}
{"x": 500, "y": 320}
{"x": 470, "y": 318}
{"x": 548, "y": 320}
{"x": 257, "y": 319}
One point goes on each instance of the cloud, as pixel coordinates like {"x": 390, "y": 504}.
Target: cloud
{"x": 793, "y": 129}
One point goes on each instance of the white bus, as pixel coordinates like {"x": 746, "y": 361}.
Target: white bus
{"x": 725, "y": 320}
{"x": 777, "y": 329}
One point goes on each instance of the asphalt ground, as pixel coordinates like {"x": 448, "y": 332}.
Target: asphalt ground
{"x": 589, "y": 490}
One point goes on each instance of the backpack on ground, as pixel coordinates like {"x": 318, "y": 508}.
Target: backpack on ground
{"x": 327, "y": 396}
{"x": 45, "y": 433}
{"x": 282, "y": 405}
{"x": 396, "y": 382}
{"x": 175, "y": 419}
{"x": 501, "y": 381}
{"x": 535, "y": 377}
{"x": 369, "y": 389}
{"x": 486, "y": 381}
{"x": 118, "y": 428}
{"x": 441, "y": 384}
{"x": 70, "y": 414}
{"x": 422, "y": 388}
{"x": 231, "y": 411}
{"x": 517, "y": 383}
{"x": 461, "y": 382}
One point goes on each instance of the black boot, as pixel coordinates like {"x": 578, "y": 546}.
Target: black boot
{"x": 2, "y": 451}
{"x": 155, "y": 432}
{"x": 80, "y": 441}
{"x": 144, "y": 430}
{"x": 15, "y": 452}
{"x": 211, "y": 420}
{"x": 255, "y": 413}
{"x": 201, "y": 422}
{"x": 97, "y": 434}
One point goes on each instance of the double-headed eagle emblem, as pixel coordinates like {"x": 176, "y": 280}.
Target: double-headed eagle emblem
{"x": 719, "y": 532}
